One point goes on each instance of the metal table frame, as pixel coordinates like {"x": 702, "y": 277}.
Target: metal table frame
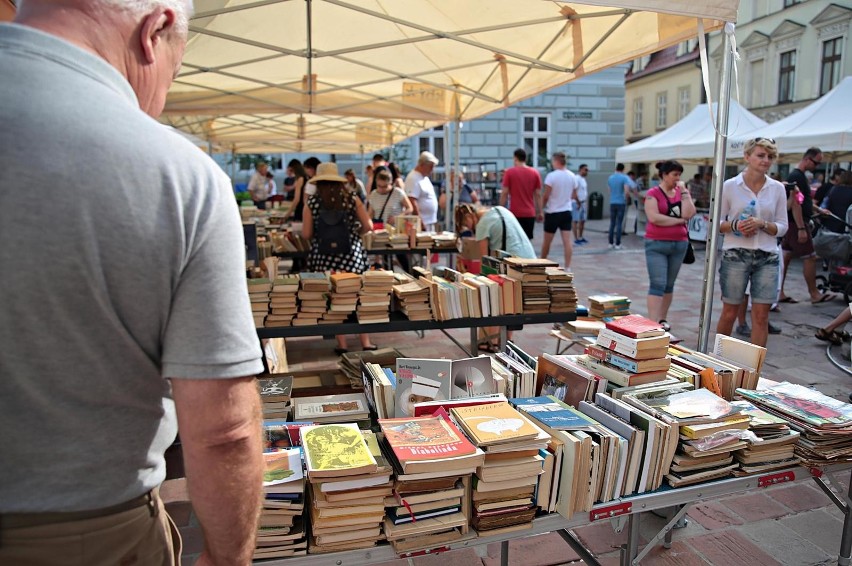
{"x": 622, "y": 512}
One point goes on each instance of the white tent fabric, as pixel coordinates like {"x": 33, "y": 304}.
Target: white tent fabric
{"x": 691, "y": 140}
{"x": 429, "y": 61}
{"x": 825, "y": 123}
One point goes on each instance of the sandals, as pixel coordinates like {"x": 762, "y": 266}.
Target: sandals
{"x": 845, "y": 336}
{"x": 370, "y": 348}
{"x": 824, "y": 298}
{"x": 665, "y": 324}
{"x": 790, "y": 300}
{"x": 828, "y": 336}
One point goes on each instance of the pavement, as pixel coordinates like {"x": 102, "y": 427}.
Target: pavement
{"x": 792, "y": 524}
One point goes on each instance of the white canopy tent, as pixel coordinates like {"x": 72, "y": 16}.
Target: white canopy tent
{"x": 691, "y": 140}
{"x": 825, "y": 123}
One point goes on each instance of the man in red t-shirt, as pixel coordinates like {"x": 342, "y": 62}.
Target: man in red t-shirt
{"x": 522, "y": 188}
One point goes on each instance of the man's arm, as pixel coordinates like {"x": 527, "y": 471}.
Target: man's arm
{"x": 415, "y": 209}
{"x": 220, "y": 430}
{"x": 539, "y": 207}
{"x": 799, "y": 219}
{"x": 546, "y": 196}
{"x": 504, "y": 196}
{"x": 626, "y": 192}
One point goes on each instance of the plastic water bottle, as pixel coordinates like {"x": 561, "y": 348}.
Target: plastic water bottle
{"x": 747, "y": 212}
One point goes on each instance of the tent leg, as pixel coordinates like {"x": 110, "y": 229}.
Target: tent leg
{"x": 713, "y": 235}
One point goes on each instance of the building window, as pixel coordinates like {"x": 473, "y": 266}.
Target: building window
{"x": 433, "y": 142}
{"x": 637, "y": 115}
{"x": 830, "y": 73}
{"x": 683, "y": 107}
{"x": 535, "y": 133}
{"x": 640, "y": 63}
{"x": 686, "y": 47}
{"x": 787, "y": 76}
{"x": 755, "y": 84}
{"x": 662, "y": 109}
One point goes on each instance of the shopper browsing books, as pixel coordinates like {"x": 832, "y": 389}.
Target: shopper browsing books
{"x": 754, "y": 214}
{"x": 495, "y": 229}
{"x": 386, "y": 202}
{"x": 334, "y": 221}
{"x": 668, "y": 208}
{"x": 420, "y": 190}
{"x": 300, "y": 177}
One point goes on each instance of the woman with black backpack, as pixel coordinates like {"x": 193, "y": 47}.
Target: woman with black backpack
{"x": 334, "y": 219}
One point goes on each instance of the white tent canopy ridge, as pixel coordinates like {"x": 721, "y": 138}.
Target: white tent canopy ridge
{"x": 429, "y": 60}
{"x": 691, "y": 140}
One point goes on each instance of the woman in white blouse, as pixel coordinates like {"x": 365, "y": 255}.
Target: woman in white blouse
{"x": 750, "y": 251}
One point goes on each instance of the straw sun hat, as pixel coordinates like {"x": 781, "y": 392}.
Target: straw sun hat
{"x": 328, "y": 172}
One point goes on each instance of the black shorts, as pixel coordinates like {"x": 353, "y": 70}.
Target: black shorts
{"x": 528, "y": 224}
{"x": 557, "y": 221}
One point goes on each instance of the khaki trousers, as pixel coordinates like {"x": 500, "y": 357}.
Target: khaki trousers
{"x": 142, "y": 536}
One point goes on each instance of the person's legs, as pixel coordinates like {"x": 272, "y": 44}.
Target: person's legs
{"x": 841, "y": 319}
{"x": 759, "y": 323}
{"x": 582, "y": 226}
{"x": 613, "y": 214}
{"x": 545, "y": 244}
{"x": 528, "y": 225}
{"x": 550, "y": 227}
{"x": 568, "y": 246}
{"x": 365, "y": 342}
{"x": 741, "y": 314}
{"x": 809, "y": 271}
{"x": 619, "y": 222}
{"x": 674, "y": 259}
{"x": 787, "y": 257}
{"x": 341, "y": 341}
{"x": 727, "y": 318}
{"x": 733, "y": 278}
{"x": 656, "y": 262}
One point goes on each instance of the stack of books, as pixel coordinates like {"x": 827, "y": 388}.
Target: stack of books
{"x": 282, "y": 526}
{"x": 423, "y": 240}
{"x": 343, "y": 298}
{"x": 631, "y": 350}
{"x": 275, "y": 393}
{"x": 258, "y": 290}
{"x": 576, "y": 329}
{"x": 560, "y": 285}
{"x": 824, "y": 423}
{"x": 322, "y": 409}
{"x": 339, "y": 461}
{"x": 608, "y": 305}
{"x": 704, "y": 451}
{"x": 771, "y": 447}
{"x": 374, "y": 299}
{"x": 398, "y": 241}
{"x": 313, "y": 298}
{"x": 379, "y": 386}
{"x": 378, "y": 239}
{"x": 445, "y": 240}
{"x": 532, "y": 273}
{"x": 282, "y": 300}
{"x": 504, "y": 485}
{"x": 413, "y": 299}
{"x": 350, "y": 362}
{"x": 433, "y": 462}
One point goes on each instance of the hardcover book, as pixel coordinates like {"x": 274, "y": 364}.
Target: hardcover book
{"x": 636, "y": 326}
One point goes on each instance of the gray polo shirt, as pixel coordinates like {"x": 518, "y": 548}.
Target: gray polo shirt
{"x": 122, "y": 263}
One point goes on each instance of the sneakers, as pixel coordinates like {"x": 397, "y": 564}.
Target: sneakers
{"x": 612, "y": 246}
{"x": 744, "y": 330}
{"x": 618, "y": 246}
{"x": 579, "y": 242}
{"x": 583, "y": 241}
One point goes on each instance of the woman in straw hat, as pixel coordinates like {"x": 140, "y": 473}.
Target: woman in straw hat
{"x": 340, "y": 219}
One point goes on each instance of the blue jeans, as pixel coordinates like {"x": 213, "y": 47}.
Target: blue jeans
{"x": 739, "y": 266}
{"x": 663, "y": 259}
{"x": 616, "y": 219}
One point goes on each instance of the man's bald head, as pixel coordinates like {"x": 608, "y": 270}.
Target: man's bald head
{"x": 143, "y": 39}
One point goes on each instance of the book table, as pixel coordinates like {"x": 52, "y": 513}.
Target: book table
{"x": 400, "y": 323}
{"x": 624, "y": 513}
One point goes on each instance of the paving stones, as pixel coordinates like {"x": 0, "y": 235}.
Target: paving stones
{"x": 784, "y": 544}
{"x": 820, "y": 527}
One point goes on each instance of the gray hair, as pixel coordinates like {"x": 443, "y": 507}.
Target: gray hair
{"x": 182, "y": 8}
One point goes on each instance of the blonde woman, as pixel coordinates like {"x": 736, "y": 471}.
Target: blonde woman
{"x": 750, "y": 252}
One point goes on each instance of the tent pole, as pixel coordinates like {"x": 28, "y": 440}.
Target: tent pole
{"x": 363, "y": 165}
{"x": 454, "y": 195}
{"x": 720, "y": 149}
{"x": 447, "y": 158}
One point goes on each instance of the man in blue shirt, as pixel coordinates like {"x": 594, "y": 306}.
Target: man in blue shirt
{"x": 619, "y": 192}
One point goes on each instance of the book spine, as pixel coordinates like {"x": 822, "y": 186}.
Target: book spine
{"x": 623, "y": 363}
{"x": 617, "y": 343}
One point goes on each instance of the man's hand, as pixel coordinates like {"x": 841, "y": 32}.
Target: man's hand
{"x": 539, "y": 217}
{"x": 802, "y": 236}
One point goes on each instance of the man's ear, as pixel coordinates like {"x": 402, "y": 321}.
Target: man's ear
{"x": 154, "y": 27}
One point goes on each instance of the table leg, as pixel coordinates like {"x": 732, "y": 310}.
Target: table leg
{"x": 474, "y": 342}
{"x": 504, "y": 553}
{"x": 845, "y": 556}
{"x": 631, "y": 549}
{"x": 504, "y": 337}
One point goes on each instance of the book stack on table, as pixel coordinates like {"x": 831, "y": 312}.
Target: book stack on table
{"x": 282, "y": 526}
{"x": 282, "y": 301}
{"x": 629, "y": 351}
{"x": 374, "y": 298}
{"x": 433, "y": 463}
{"x": 560, "y": 285}
{"x": 824, "y": 423}
{"x": 347, "y": 487}
{"x": 709, "y": 429}
{"x": 532, "y": 273}
{"x": 314, "y": 288}
{"x": 504, "y": 485}
{"x": 413, "y": 299}
{"x": 771, "y": 447}
{"x": 275, "y": 393}
{"x": 258, "y": 290}
{"x": 608, "y": 305}
{"x": 350, "y": 363}
{"x": 343, "y": 299}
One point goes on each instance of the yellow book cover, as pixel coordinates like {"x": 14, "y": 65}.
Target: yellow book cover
{"x": 494, "y": 423}
{"x": 336, "y": 450}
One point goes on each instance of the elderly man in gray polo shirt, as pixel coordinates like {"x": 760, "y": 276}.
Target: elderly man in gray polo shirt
{"x": 124, "y": 306}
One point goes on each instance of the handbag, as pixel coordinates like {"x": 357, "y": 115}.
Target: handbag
{"x": 689, "y": 258}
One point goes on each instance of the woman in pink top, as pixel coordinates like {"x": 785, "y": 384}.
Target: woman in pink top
{"x": 668, "y": 208}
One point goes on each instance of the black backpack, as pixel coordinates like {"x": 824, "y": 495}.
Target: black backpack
{"x": 332, "y": 233}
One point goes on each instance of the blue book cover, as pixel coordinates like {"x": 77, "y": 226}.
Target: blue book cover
{"x": 553, "y": 413}
{"x": 391, "y": 377}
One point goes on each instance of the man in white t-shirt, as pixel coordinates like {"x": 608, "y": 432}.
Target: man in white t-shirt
{"x": 420, "y": 191}
{"x": 560, "y": 192}
{"x": 579, "y": 214}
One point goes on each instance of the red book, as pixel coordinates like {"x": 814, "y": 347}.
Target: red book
{"x": 425, "y": 438}
{"x": 636, "y": 326}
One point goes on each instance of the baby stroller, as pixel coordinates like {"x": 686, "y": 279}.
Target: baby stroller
{"x": 836, "y": 249}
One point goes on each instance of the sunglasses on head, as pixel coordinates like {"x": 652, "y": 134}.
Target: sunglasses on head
{"x": 770, "y": 140}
